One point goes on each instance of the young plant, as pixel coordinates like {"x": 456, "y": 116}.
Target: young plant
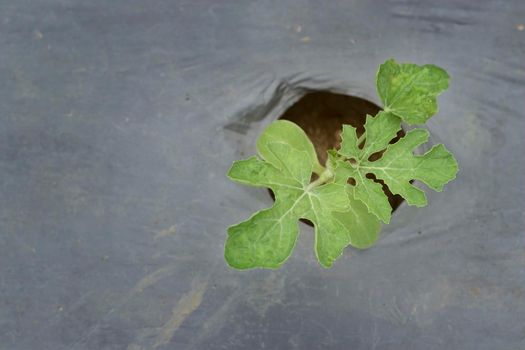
{"x": 343, "y": 214}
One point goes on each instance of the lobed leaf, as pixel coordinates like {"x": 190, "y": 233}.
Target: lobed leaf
{"x": 409, "y": 91}
{"x": 396, "y": 167}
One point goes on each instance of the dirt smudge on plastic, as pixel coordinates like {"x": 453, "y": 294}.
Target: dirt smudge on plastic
{"x": 186, "y": 305}
{"x": 170, "y": 231}
{"x": 153, "y": 278}
{"x": 152, "y": 338}
{"x": 474, "y": 291}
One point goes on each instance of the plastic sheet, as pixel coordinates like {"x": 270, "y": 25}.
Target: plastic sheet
{"x": 120, "y": 119}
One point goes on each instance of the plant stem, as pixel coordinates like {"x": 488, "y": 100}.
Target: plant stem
{"x": 319, "y": 169}
{"x": 324, "y": 177}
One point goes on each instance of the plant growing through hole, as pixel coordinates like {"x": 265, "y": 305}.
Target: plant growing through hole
{"x": 345, "y": 206}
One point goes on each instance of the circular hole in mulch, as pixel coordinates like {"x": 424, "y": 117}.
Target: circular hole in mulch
{"x": 322, "y": 115}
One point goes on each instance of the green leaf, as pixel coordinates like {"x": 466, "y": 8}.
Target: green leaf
{"x": 409, "y": 91}
{"x": 284, "y": 131}
{"x": 396, "y": 167}
{"x": 335, "y": 230}
{"x": 268, "y": 237}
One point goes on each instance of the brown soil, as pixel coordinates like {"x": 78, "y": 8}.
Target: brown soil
{"x": 322, "y": 115}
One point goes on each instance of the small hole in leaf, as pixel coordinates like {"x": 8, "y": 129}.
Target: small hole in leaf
{"x": 351, "y": 181}
{"x": 377, "y": 155}
{"x": 321, "y": 115}
{"x": 394, "y": 199}
{"x": 352, "y": 161}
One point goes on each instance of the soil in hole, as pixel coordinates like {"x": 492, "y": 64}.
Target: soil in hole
{"x": 322, "y": 115}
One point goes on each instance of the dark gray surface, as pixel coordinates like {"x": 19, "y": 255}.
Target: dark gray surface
{"x": 120, "y": 118}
